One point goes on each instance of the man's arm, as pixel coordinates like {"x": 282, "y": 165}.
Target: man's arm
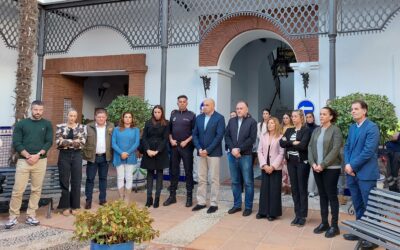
{"x": 48, "y": 138}
{"x": 219, "y": 134}
{"x": 249, "y": 141}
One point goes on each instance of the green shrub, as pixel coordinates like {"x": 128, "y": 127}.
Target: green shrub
{"x": 141, "y": 109}
{"x": 380, "y": 110}
{"x": 114, "y": 223}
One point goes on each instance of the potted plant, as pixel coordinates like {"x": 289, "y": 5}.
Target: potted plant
{"x": 116, "y": 225}
{"x": 140, "y": 108}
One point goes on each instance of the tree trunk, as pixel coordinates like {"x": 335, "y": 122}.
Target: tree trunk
{"x": 28, "y": 20}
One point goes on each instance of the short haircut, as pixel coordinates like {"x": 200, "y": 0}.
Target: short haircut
{"x": 37, "y": 102}
{"x": 363, "y": 105}
{"x": 241, "y": 101}
{"x": 100, "y": 111}
{"x": 182, "y": 96}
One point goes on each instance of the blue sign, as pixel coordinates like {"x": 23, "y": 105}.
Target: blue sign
{"x": 307, "y": 106}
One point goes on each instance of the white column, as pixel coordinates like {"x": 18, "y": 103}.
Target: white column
{"x": 314, "y": 91}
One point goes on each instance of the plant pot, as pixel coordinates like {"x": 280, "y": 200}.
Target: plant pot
{"x": 120, "y": 246}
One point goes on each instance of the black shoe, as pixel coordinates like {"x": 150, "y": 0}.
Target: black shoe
{"x": 212, "y": 209}
{"x": 271, "y": 218}
{"x": 171, "y": 200}
{"x": 295, "y": 221}
{"x": 234, "y": 210}
{"x": 102, "y": 203}
{"x": 321, "y": 228}
{"x": 351, "y": 237}
{"x": 368, "y": 245}
{"x": 189, "y": 200}
{"x": 247, "y": 212}
{"x": 156, "y": 202}
{"x": 301, "y": 222}
{"x": 198, "y": 207}
{"x": 149, "y": 202}
{"x": 260, "y": 216}
{"x": 195, "y": 183}
{"x": 332, "y": 232}
{"x": 88, "y": 205}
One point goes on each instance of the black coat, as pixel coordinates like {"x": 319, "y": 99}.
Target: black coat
{"x": 155, "y": 137}
{"x": 303, "y": 136}
{"x": 247, "y": 135}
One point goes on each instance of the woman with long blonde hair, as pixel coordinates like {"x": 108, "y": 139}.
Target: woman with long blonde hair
{"x": 270, "y": 155}
{"x": 295, "y": 141}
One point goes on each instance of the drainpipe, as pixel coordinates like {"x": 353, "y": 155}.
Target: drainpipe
{"x": 164, "y": 47}
{"x": 332, "y": 34}
{"x": 40, "y": 52}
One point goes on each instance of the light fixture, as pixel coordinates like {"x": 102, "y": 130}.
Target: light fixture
{"x": 304, "y": 70}
{"x": 203, "y": 73}
{"x": 102, "y": 90}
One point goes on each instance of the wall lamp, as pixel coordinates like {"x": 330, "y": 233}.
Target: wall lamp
{"x": 304, "y": 70}
{"x": 203, "y": 73}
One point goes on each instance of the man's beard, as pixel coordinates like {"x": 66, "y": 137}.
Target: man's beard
{"x": 37, "y": 116}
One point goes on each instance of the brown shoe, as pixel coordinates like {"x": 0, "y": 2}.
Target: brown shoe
{"x": 88, "y": 205}
{"x": 66, "y": 212}
{"x": 75, "y": 211}
{"x": 342, "y": 199}
{"x": 102, "y": 203}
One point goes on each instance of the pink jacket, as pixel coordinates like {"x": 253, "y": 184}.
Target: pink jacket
{"x": 276, "y": 153}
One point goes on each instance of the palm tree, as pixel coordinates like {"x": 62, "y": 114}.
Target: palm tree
{"x": 28, "y": 20}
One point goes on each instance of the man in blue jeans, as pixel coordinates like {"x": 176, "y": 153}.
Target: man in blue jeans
{"x": 361, "y": 161}
{"x": 97, "y": 151}
{"x": 240, "y": 135}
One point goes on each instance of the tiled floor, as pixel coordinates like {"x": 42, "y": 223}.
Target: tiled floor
{"x": 231, "y": 232}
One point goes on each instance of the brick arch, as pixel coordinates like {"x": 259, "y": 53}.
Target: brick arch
{"x": 211, "y": 47}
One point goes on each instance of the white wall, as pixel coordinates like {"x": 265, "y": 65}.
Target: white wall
{"x": 8, "y": 69}
{"x": 365, "y": 63}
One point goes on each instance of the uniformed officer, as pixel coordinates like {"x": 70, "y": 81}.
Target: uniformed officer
{"x": 181, "y": 125}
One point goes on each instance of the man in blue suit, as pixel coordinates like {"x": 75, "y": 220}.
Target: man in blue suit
{"x": 207, "y": 136}
{"x": 360, "y": 156}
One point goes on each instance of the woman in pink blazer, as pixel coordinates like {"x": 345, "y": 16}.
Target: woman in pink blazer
{"x": 270, "y": 156}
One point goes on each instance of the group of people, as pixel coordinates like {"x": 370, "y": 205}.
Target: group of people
{"x": 285, "y": 151}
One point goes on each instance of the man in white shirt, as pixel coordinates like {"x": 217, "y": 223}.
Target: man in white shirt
{"x": 97, "y": 152}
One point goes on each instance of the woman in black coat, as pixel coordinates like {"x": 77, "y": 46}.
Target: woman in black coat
{"x": 155, "y": 152}
{"x": 295, "y": 142}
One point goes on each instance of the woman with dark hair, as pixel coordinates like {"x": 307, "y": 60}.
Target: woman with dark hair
{"x": 295, "y": 141}
{"x": 286, "y": 123}
{"x": 324, "y": 158}
{"x": 261, "y": 129}
{"x": 70, "y": 138}
{"x": 125, "y": 141}
{"x": 155, "y": 157}
{"x": 270, "y": 155}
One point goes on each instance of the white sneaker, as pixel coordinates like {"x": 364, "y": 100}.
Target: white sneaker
{"x": 32, "y": 221}
{"x": 11, "y": 223}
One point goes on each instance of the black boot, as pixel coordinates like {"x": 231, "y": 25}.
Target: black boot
{"x": 171, "y": 200}
{"x": 156, "y": 202}
{"x": 189, "y": 199}
{"x": 149, "y": 201}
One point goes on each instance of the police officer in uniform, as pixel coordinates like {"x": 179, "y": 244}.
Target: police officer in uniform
{"x": 181, "y": 125}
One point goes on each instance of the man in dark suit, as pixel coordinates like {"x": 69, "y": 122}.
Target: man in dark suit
{"x": 207, "y": 136}
{"x": 240, "y": 135}
{"x": 360, "y": 156}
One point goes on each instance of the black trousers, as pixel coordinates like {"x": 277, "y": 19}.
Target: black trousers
{"x": 270, "y": 194}
{"x": 70, "y": 170}
{"x": 159, "y": 182}
{"x": 186, "y": 155}
{"x": 298, "y": 173}
{"x": 327, "y": 182}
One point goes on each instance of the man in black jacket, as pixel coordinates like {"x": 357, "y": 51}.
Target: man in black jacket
{"x": 240, "y": 135}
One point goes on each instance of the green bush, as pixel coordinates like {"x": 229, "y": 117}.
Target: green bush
{"x": 114, "y": 223}
{"x": 380, "y": 110}
{"x": 141, "y": 109}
